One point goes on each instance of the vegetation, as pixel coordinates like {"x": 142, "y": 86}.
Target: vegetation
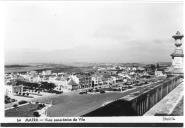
{"x": 153, "y": 67}
{"x": 40, "y": 106}
{"x": 13, "y": 66}
{"x": 8, "y": 100}
{"x": 27, "y": 85}
{"x": 47, "y": 86}
{"x": 54, "y": 91}
{"x": 36, "y": 114}
{"x": 22, "y": 111}
{"x": 15, "y": 105}
{"x": 22, "y": 102}
{"x": 36, "y": 86}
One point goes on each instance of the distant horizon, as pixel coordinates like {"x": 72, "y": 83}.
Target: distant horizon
{"x": 98, "y": 32}
{"x": 85, "y": 63}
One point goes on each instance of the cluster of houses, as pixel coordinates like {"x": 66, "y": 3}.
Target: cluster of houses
{"x": 73, "y": 81}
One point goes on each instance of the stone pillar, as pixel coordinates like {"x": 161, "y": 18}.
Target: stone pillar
{"x": 172, "y": 85}
{"x": 134, "y": 105}
{"x": 169, "y": 87}
{"x": 167, "y": 91}
{"x": 147, "y": 101}
{"x": 161, "y": 92}
{"x": 152, "y": 99}
{"x": 139, "y": 103}
{"x": 164, "y": 92}
{"x": 145, "y": 105}
{"x": 138, "y": 108}
{"x": 142, "y": 106}
{"x": 156, "y": 93}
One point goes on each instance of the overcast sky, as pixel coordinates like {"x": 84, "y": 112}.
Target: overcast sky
{"x": 91, "y": 31}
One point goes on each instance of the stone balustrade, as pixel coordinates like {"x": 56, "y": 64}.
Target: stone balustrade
{"x": 137, "y": 103}
{"x": 142, "y": 101}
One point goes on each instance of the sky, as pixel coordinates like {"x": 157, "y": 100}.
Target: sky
{"x": 60, "y": 32}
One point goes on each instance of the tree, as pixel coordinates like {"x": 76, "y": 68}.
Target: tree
{"x": 153, "y": 67}
{"x": 36, "y": 114}
{"x": 157, "y": 66}
{"x": 47, "y": 86}
{"x": 40, "y": 106}
{"x": 7, "y": 99}
{"x": 15, "y": 105}
{"x": 42, "y": 86}
{"x": 51, "y": 86}
{"x": 34, "y": 85}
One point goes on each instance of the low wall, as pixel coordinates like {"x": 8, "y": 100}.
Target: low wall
{"x": 137, "y": 103}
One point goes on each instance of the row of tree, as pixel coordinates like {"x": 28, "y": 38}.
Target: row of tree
{"x": 36, "y": 86}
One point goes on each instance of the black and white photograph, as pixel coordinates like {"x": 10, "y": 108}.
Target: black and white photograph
{"x": 92, "y": 59}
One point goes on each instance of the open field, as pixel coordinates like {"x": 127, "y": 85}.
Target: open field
{"x": 41, "y": 67}
{"x": 23, "y": 68}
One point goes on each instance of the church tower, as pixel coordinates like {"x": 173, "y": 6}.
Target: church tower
{"x": 177, "y": 55}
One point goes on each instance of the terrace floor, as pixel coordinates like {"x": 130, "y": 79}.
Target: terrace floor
{"x": 178, "y": 111}
{"x": 169, "y": 104}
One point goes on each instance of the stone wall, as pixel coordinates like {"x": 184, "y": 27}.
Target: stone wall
{"x": 137, "y": 103}
{"x": 150, "y": 97}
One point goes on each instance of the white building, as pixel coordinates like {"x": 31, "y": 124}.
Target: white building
{"x": 47, "y": 72}
{"x": 159, "y": 74}
{"x": 61, "y": 84}
{"x": 12, "y": 90}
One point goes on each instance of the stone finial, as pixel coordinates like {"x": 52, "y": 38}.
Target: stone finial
{"x": 178, "y": 33}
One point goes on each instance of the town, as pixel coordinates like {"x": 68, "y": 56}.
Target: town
{"x": 116, "y": 77}
{"x": 21, "y": 87}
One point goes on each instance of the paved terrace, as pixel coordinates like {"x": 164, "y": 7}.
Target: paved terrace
{"x": 168, "y": 103}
